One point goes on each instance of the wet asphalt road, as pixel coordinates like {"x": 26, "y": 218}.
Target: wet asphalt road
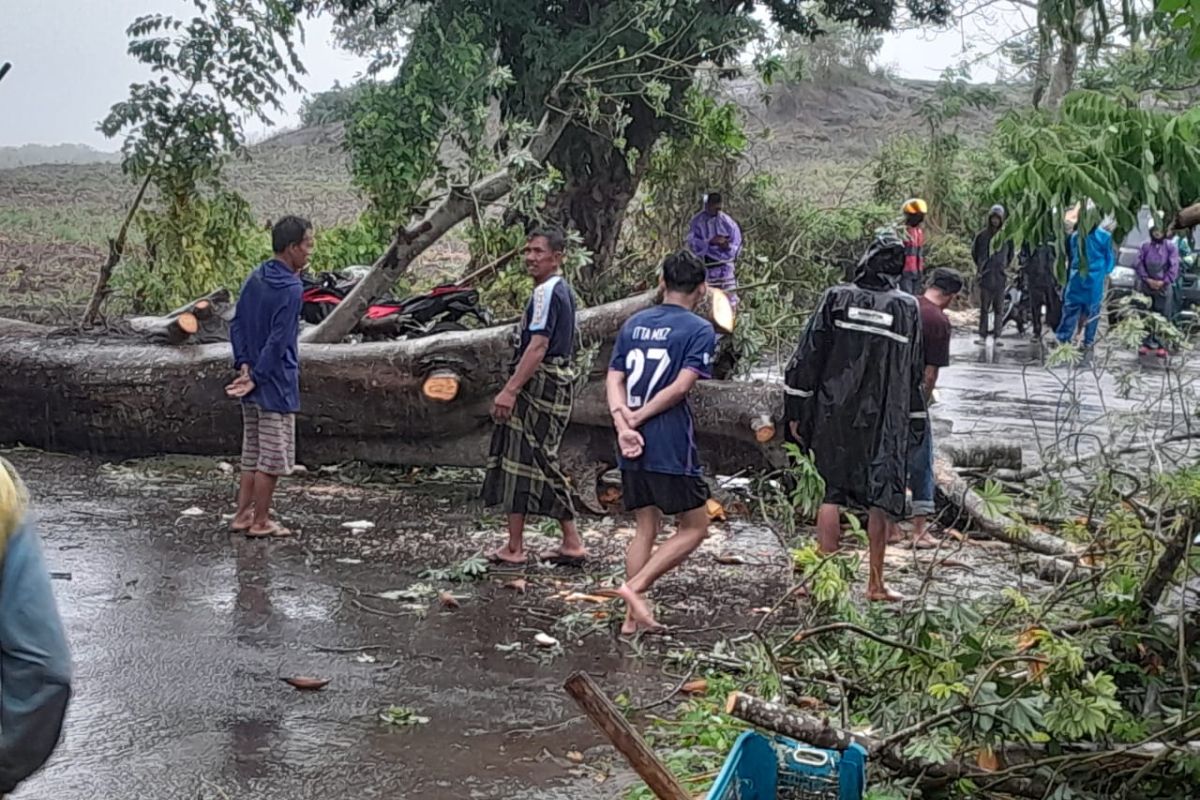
{"x": 181, "y": 633}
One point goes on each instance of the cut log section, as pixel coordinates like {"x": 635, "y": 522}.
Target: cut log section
{"x": 764, "y": 429}
{"x": 989, "y": 455}
{"x": 167, "y": 330}
{"x": 441, "y": 385}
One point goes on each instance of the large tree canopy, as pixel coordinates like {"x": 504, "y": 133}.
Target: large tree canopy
{"x": 629, "y": 101}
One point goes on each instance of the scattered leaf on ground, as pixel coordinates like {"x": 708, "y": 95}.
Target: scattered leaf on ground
{"x": 508, "y": 648}
{"x": 448, "y": 600}
{"x": 192, "y": 512}
{"x": 402, "y": 716}
{"x": 307, "y": 684}
{"x": 365, "y": 658}
{"x": 545, "y": 640}
{"x": 575, "y": 755}
{"x": 730, "y": 558}
{"x": 349, "y": 561}
{"x": 698, "y": 686}
{"x": 517, "y": 584}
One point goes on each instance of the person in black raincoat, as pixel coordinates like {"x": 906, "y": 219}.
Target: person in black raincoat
{"x": 853, "y": 397}
{"x": 992, "y": 255}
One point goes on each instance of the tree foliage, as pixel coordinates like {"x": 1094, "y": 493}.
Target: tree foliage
{"x": 1111, "y": 156}
{"x": 631, "y": 98}
{"x": 234, "y": 60}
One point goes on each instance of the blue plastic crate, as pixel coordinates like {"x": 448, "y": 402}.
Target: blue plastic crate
{"x": 779, "y": 768}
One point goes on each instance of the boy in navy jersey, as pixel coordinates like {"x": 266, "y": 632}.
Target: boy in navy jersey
{"x": 658, "y": 357}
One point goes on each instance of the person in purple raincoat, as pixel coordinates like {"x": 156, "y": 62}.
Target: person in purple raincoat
{"x": 717, "y": 240}
{"x": 1157, "y": 269}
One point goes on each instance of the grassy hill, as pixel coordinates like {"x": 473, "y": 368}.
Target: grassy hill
{"x": 55, "y": 218}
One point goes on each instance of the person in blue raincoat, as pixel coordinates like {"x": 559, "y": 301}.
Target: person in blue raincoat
{"x": 1084, "y": 293}
{"x": 35, "y": 665}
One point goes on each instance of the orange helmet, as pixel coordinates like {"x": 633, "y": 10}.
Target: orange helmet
{"x": 916, "y": 205}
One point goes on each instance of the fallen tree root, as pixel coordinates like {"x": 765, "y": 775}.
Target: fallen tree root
{"x": 998, "y": 527}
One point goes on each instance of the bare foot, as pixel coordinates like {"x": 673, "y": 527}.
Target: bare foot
{"x": 884, "y": 595}
{"x": 506, "y": 556}
{"x": 243, "y": 521}
{"x": 639, "y": 609}
{"x": 270, "y": 529}
{"x": 925, "y": 542}
{"x": 629, "y": 627}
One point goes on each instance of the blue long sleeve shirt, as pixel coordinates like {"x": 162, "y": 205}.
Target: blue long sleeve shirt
{"x": 264, "y": 334}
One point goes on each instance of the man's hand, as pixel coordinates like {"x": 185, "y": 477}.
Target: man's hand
{"x": 502, "y": 406}
{"x": 622, "y": 414}
{"x": 242, "y": 385}
{"x": 630, "y": 443}
{"x": 794, "y": 427}
{"x": 1155, "y": 285}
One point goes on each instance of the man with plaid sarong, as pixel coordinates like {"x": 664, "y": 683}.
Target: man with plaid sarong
{"x": 531, "y": 412}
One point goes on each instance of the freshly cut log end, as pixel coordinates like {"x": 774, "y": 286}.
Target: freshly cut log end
{"x": 187, "y": 323}
{"x": 202, "y": 309}
{"x": 764, "y": 429}
{"x": 722, "y": 315}
{"x": 441, "y": 385}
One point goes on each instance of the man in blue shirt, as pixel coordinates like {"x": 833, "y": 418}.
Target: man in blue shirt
{"x": 658, "y": 357}
{"x": 264, "y": 334}
{"x": 1084, "y": 293}
{"x": 531, "y": 412}
{"x": 34, "y": 660}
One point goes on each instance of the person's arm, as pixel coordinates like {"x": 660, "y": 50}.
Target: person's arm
{"x": 665, "y": 398}
{"x": 1172, "y": 272}
{"x": 979, "y": 251}
{"x": 34, "y": 661}
{"x": 543, "y": 322}
{"x": 237, "y": 336}
{"x": 804, "y": 371}
{"x": 285, "y": 325}
{"x": 918, "y": 417}
{"x": 735, "y": 241}
{"x": 697, "y": 242}
{"x": 930, "y": 381}
{"x": 1139, "y": 265}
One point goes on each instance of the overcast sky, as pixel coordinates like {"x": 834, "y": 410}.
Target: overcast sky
{"x": 70, "y": 65}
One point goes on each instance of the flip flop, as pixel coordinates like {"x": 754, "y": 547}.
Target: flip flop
{"x": 560, "y": 560}
{"x": 496, "y": 560}
{"x": 275, "y": 531}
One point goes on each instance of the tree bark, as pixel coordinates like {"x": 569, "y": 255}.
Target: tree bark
{"x": 960, "y": 494}
{"x": 1168, "y": 563}
{"x": 599, "y": 186}
{"x": 363, "y": 401}
{"x": 1062, "y": 77}
{"x": 459, "y": 204}
{"x": 608, "y": 718}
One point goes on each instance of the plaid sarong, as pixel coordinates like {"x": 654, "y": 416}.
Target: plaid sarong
{"x": 523, "y": 474}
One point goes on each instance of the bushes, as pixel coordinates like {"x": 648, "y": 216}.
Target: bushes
{"x": 341, "y": 246}
{"x": 192, "y": 246}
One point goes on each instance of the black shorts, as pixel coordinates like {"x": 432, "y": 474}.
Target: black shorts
{"x": 671, "y": 494}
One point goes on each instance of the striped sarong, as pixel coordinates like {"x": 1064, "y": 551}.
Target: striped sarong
{"x": 523, "y": 474}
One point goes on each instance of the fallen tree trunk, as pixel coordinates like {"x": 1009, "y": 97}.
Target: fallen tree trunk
{"x": 999, "y": 527}
{"x": 421, "y": 402}
{"x": 819, "y": 733}
{"x": 207, "y": 316}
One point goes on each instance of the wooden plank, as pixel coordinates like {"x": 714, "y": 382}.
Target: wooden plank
{"x": 608, "y": 718}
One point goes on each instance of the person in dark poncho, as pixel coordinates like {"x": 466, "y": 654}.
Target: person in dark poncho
{"x": 854, "y": 398}
{"x": 992, "y": 255}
